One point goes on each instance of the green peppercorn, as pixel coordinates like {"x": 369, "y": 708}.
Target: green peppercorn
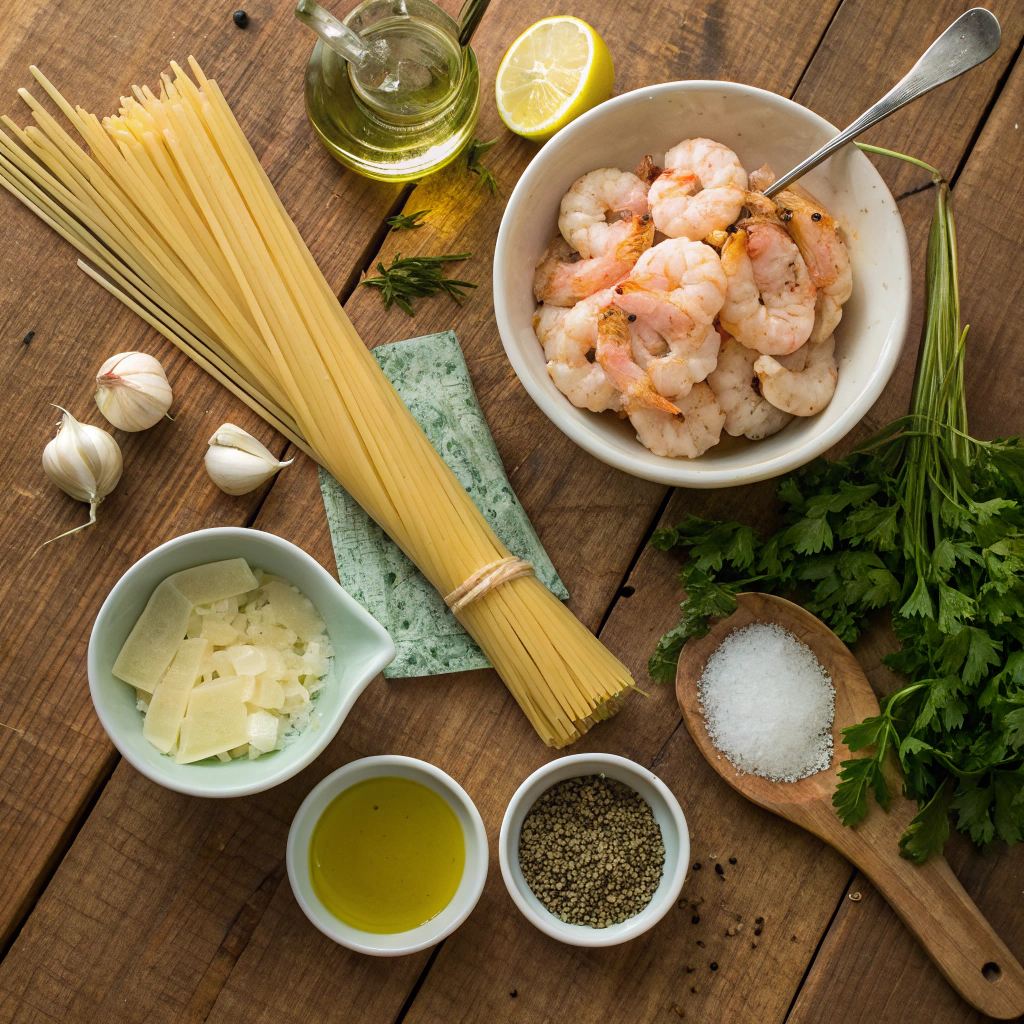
{"x": 591, "y": 851}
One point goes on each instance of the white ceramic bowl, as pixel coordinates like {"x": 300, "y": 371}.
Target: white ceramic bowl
{"x": 760, "y": 127}
{"x": 473, "y": 876}
{"x": 361, "y": 644}
{"x": 667, "y": 813}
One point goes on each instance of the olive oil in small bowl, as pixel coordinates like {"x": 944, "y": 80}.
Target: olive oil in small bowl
{"x": 387, "y": 855}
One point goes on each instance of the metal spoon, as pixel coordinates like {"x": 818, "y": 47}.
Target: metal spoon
{"x": 969, "y": 41}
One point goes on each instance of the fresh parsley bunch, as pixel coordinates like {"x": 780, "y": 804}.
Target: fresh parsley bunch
{"x": 926, "y": 521}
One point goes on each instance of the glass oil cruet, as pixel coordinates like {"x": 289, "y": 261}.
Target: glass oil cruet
{"x": 393, "y": 90}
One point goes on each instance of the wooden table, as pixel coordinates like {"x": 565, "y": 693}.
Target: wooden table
{"x": 120, "y": 901}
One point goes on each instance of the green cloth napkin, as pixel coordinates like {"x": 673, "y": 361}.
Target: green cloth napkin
{"x": 430, "y": 375}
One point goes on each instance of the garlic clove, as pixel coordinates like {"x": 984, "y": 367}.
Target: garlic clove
{"x": 237, "y": 463}
{"x": 133, "y": 393}
{"x": 84, "y": 462}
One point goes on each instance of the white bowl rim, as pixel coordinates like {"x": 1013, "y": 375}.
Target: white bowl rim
{"x": 298, "y": 862}
{"x": 574, "y": 935}
{"x": 328, "y": 729}
{"x": 683, "y": 472}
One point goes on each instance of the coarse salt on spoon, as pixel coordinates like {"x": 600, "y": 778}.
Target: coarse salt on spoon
{"x": 928, "y": 898}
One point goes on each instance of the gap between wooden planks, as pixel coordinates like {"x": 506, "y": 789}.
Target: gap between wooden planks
{"x": 155, "y": 964}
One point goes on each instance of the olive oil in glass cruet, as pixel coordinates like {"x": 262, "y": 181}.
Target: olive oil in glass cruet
{"x": 393, "y": 89}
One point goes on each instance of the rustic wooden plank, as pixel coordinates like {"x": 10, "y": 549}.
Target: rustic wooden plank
{"x": 454, "y": 734}
{"x": 55, "y": 754}
{"x": 479, "y": 963}
{"x": 614, "y": 507}
{"x": 866, "y": 938}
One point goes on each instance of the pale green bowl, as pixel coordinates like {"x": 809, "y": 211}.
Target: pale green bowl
{"x": 361, "y": 644}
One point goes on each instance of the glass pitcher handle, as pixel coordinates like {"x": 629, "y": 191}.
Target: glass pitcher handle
{"x": 338, "y": 36}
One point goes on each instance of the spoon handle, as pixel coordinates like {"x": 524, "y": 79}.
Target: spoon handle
{"x": 933, "y": 905}
{"x": 971, "y": 39}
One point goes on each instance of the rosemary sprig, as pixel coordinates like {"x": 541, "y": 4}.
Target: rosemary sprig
{"x": 476, "y": 150}
{"x": 417, "y": 277}
{"x": 406, "y": 221}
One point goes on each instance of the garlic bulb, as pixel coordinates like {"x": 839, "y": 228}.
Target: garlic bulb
{"x": 237, "y": 462}
{"x": 84, "y": 461}
{"x": 133, "y": 392}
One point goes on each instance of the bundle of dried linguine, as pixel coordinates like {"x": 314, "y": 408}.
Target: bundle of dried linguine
{"x": 172, "y": 208}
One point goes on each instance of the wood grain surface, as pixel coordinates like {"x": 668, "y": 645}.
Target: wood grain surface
{"x": 164, "y": 908}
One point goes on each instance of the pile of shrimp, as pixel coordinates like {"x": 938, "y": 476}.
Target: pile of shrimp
{"x": 686, "y": 300}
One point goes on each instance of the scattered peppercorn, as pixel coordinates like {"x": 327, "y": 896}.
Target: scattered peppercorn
{"x": 696, "y": 867}
{"x": 713, "y": 965}
{"x": 757, "y": 931}
{"x": 700, "y": 943}
{"x": 591, "y": 851}
{"x": 792, "y": 938}
{"x": 719, "y": 870}
{"x": 690, "y": 968}
{"x": 240, "y": 18}
{"x": 815, "y": 217}
{"x": 631, "y": 317}
{"x": 732, "y": 860}
{"x": 28, "y": 338}
{"x": 514, "y": 993}
{"x": 695, "y": 919}
{"x": 758, "y": 920}
{"x": 694, "y": 989}
{"x": 753, "y": 945}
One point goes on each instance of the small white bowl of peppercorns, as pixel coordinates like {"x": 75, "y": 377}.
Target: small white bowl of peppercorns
{"x": 594, "y": 849}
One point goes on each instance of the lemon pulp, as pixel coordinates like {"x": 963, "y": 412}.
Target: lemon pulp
{"x": 386, "y": 855}
{"x": 556, "y": 70}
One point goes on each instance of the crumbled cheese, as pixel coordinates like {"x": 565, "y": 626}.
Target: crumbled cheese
{"x": 768, "y": 704}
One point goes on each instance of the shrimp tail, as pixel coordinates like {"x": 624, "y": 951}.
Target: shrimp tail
{"x": 614, "y": 353}
{"x": 638, "y": 241}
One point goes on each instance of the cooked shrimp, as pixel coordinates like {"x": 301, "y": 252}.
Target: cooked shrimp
{"x": 828, "y": 262}
{"x": 697, "y": 428}
{"x": 701, "y": 189}
{"x": 559, "y": 281}
{"x": 584, "y": 383}
{"x": 805, "y": 392}
{"x": 675, "y": 287}
{"x": 615, "y": 355}
{"x": 583, "y": 217}
{"x": 675, "y": 369}
{"x": 762, "y": 178}
{"x": 738, "y": 391}
{"x": 769, "y": 303}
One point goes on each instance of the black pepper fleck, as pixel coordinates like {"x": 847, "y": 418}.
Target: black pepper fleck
{"x": 631, "y": 318}
{"x": 713, "y": 965}
{"x": 719, "y": 870}
{"x": 695, "y": 919}
{"x": 815, "y": 217}
{"x": 28, "y": 338}
{"x": 701, "y": 944}
{"x": 758, "y": 920}
{"x": 757, "y": 931}
{"x": 732, "y": 860}
{"x": 240, "y": 18}
{"x": 696, "y": 867}
{"x": 514, "y": 993}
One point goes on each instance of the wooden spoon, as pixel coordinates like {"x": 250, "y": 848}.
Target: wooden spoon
{"x": 928, "y": 898}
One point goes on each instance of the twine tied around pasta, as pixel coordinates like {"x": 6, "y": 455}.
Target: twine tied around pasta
{"x": 484, "y": 580}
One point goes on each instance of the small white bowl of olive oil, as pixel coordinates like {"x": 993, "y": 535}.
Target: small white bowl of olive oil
{"x": 387, "y": 855}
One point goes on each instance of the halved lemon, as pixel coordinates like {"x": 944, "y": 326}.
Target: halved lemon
{"x": 556, "y": 70}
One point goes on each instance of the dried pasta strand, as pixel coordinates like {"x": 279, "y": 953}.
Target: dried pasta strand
{"x": 170, "y": 203}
